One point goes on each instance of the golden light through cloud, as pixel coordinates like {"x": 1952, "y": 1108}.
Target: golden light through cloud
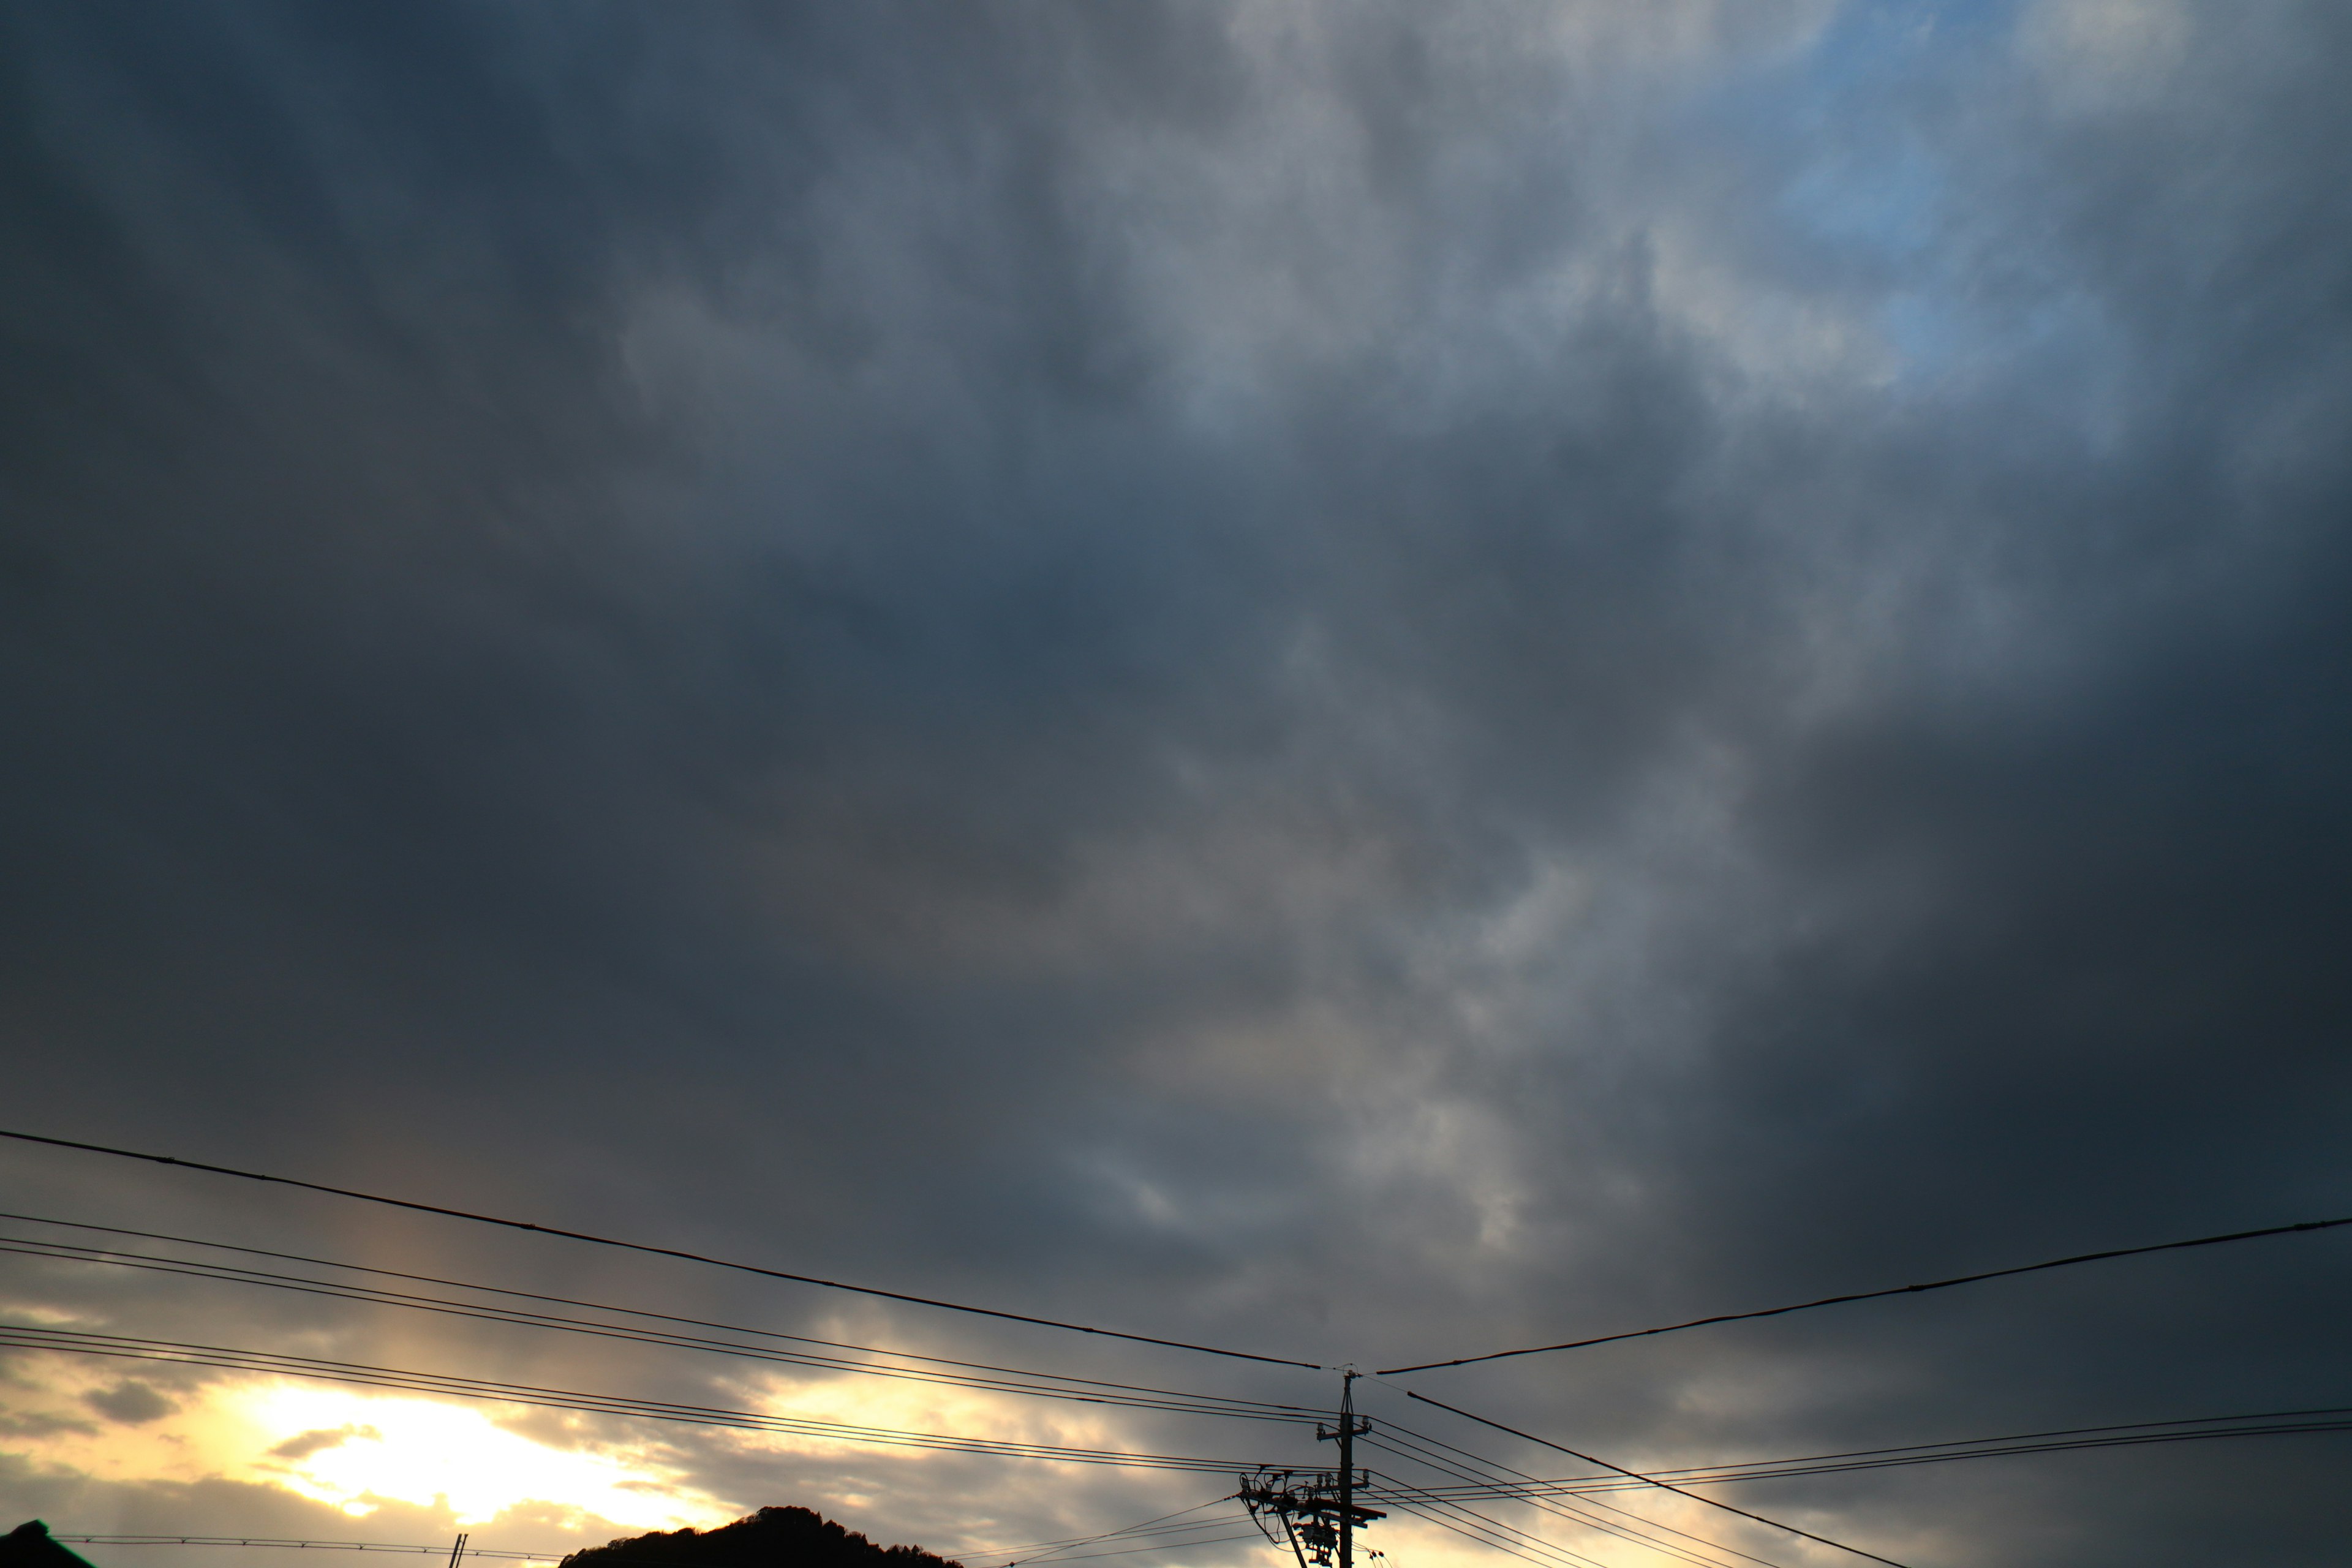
{"x": 422, "y": 1451}
{"x": 356, "y": 1451}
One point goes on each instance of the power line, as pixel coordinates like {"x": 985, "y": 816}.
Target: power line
{"x": 1495, "y": 1538}
{"x": 2136, "y": 1435}
{"x": 1873, "y": 1295}
{"x": 1452, "y": 1495}
{"x": 1418, "y": 1447}
{"x": 1401, "y": 1494}
{"x": 303, "y": 1545}
{"x": 471, "y": 1551}
{"x": 1089, "y": 1392}
{"x": 1164, "y": 1546}
{"x": 1158, "y": 1521}
{"x": 359, "y": 1375}
{"x": 1487, "y": 1531}
{"x": 1298, "y": 1410}
{"x": 1043, "y": 1550}
{"x": 1422, "y": 1445}
{"x": 1711, "y": 1503}
{"x": 1492, "y": 1535}
{"x": 649, "y": 1249}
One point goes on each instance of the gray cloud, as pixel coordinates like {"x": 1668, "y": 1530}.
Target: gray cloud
{"x": 1376, "y": 685}
{"x": 302, "y": 1444}
{"x": 130, "y": 1403}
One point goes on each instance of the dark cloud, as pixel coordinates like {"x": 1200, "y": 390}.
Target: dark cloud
{"x": 129, "y": 1403}
{"x": 302, "y": 1444}
{"x": 1375, "y": 685}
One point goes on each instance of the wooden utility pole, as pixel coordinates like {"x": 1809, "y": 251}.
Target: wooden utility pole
{"x": 1318, "y": 1514}
{"x": 1345, "y": 1435}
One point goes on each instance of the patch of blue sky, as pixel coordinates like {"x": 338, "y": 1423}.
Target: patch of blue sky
{"x": 1883, "y": 200}
{"x": 1848, "y": 184}
{"x": 2056, "y": 354}
{"x": 1924, "y": 330}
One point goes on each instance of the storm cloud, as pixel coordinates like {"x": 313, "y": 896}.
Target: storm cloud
{"x": 1369, "y": 683}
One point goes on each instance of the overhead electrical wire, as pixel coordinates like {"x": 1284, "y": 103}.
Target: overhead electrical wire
{"x": 1130, "y": 1551}
{"x": 1495, "y": 1540}
{"x": 1542, "y": 1503}
{"x": 627, "y": 1312}
{"x": 74, "y": 1343}
{"x": 1401, "y": 1495}
{"x": 1420, "y": 1500}
{"x": 1873, "y": 1295}
{"x": 303, "y": 1545}
{"x": 650, "y": 1249}
{"x": 1039, "y": 1385}
{"x": 1421, "y": 1450}
{"x": 1157, "y": 1521}
{"x": 1425, "y": 1452}
{"x": 1066, "y": 1550}
{"x": 1175, "y": 1403}
{"x": 1640, "y": 1531}
{"x": 1652, "y": 1481}
{"x": 471, "y": 1551}
{"x": 1046, "y": 1551}
{"x": 1488, "y": 1533}
{"x": 2285, "y": 1422}
{"x": 1395, "y": 1488}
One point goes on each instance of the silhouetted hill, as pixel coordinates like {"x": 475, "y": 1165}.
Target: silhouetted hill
{"x": 771, "y": 1538}
{"x": 29, "y": 1546}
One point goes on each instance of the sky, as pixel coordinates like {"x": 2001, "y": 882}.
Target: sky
{"x": 1364, "y": 683}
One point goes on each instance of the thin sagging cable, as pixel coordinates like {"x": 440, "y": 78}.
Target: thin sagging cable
{"x": 1153, "y": 1523}
{"x": 1473, "y": 1536}
{"x": 1165, "y": 1536}
{"x": 879, "y": 1437}
{"x": 1430, "y": 1514}
{"x": 2127, "y": 1427}
{"x": 1492, "y": 1538}
{"x": 1422, "y": 1496}
{"x": 1711, "y": 1503}
{"x": 1152, "y": 1535}
{"x": 2150, "y": 1440}
{"x": 1397, "y": 1493}
{"x": 2131, "y": 1436}
{"x": 1052, "y": 1551}
{"x": 1543, "y": 1505}
{"x": 1421, "y": 1449}
{"x": 1130, "y": 1551}
{"x": 1136, "y": 1533}
{"x": 651, "y": 1249}
{"x": 1641, "y": 1532}
{"x": 358, "y": 1374}
{"x": 1528, "y": 1490}
{"x": 1423, "y": 1440}
{"x": 1296, "y": 1410}
{"x": 610, "y": 1406}
{"x": 1093, "y": 1392}
{"x": 368, "y": 1296}
{"x": 2309, "y": 1225}
{"x": 1587, "y": 1489}
{"x": 302, "y": 1545}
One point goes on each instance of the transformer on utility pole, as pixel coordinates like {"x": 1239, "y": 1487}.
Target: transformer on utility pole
{"x": 1319, "y": 1513}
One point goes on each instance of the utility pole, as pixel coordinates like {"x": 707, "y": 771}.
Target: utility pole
{"x": 1345, "y": 1435}
{"x": 1319, "y": 1515}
